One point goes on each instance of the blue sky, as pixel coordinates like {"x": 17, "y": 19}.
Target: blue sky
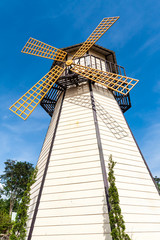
{"x": 135, "y": 38}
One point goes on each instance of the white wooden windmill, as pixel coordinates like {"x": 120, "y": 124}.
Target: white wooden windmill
{"x": 86, "y": 93}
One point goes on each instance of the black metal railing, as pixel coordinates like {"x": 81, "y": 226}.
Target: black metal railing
{"x": 98, "y": 63}
{"x": 70, "y": 78}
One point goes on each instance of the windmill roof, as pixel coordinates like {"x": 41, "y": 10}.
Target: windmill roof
{"x": 95, "y": 47}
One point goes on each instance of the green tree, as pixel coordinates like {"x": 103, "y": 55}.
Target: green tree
{"x": 116, "y": 219}
{"x": 157, "y": 180}
{"x": 5, "y": 219}
{"x": 14, "y": 180}
{"x": 19, "y": 228}
{"x": 5, "y": 222}
{"x": 4, "y": 205}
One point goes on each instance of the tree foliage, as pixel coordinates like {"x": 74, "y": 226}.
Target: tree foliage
{"x": 5, "y": 222}
{"x": 157, "y": 180}
{"x": 19, "y": 228}
{"x": 14, "y": 180}
{"x": 116, "y": 219}
{"x": 4, "y": 204}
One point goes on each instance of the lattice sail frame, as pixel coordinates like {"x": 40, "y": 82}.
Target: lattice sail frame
{"x": 104, "y": 25}
{"x": 29, "y": 101}
{"x": 40, "y": 49}
{"x": 115, "y": 82}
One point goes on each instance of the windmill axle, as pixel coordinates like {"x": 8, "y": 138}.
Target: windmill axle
{"x": 69, "y": 62}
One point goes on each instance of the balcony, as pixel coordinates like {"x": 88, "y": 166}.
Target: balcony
{"x": 69, "y": 79}
{"x": 97, "y": 63}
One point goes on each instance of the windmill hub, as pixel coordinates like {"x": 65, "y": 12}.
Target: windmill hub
{"x": 69, "y": 62}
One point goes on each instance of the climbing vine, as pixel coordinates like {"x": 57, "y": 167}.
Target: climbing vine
{"x": 19, "y": 228}
{"x": 116, "y": 219}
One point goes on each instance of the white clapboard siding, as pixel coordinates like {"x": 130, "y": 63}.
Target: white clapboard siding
{"x": 73, "y": 204}
{"x": 43, "y": 157}
{"x": 75, "y": 229}
{"x": 92, "y": 236}
{"x": 139, "y": 198}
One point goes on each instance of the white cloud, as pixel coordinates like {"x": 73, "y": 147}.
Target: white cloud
{"x": 20, "y": 147}
{"x": 22, "y": 140}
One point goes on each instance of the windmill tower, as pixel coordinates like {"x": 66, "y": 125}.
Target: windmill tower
{"x": 86, "y": 94}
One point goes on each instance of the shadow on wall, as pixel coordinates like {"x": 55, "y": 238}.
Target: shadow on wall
{"x": 109, "y": 121}
{"x": 106, "y": 224}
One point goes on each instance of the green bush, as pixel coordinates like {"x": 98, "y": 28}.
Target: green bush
{"x": 116, "y": 219}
